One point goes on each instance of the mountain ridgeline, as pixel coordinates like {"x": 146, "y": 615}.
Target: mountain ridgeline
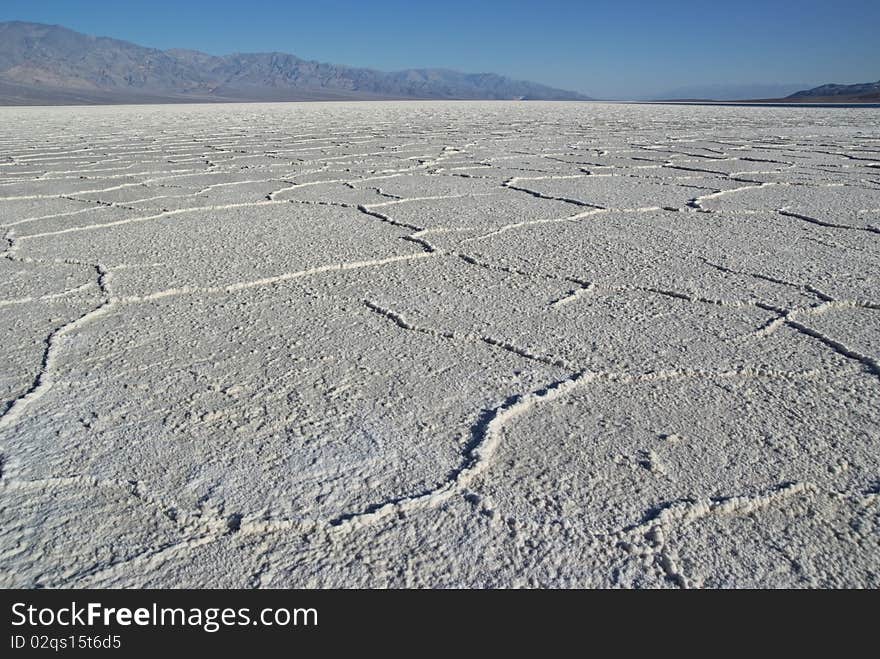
{"x": 49, "y": 64}
{"x": 867, "y": 92}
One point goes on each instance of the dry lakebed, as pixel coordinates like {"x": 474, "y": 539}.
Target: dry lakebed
{"x": 427, "y": 344}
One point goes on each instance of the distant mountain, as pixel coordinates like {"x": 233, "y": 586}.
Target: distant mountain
{"x": 731, "y": 92}
{"x": 762, "y": 93}
{"x": 49, "y": 64}
{"x": 864, "y": 92}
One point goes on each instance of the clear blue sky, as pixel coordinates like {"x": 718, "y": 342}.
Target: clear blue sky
{"x": 614, "y": 48}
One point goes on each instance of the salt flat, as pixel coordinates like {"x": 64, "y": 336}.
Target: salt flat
{"x": 440, "y": 344}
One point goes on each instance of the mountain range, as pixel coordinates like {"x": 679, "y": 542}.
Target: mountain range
{"x": 50, "y": 64}
{"x": 866, "y": 92}
{"x": 729, "y": 91}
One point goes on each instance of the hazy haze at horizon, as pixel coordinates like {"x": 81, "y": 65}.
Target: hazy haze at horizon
{"x": 622, "y": 49}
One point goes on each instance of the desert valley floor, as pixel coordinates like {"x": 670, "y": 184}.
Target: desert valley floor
{"x": 440, "y": 344}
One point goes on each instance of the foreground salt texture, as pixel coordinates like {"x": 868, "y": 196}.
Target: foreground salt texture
{"x": 427, "y": 344}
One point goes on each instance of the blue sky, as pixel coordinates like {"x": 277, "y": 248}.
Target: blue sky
{"x": 616, "y": 48}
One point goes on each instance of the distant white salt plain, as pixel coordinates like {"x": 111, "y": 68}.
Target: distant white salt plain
{"x": 440, "y": 345}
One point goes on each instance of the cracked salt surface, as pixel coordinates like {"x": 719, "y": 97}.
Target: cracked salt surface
{"x": 439, "y": 344}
